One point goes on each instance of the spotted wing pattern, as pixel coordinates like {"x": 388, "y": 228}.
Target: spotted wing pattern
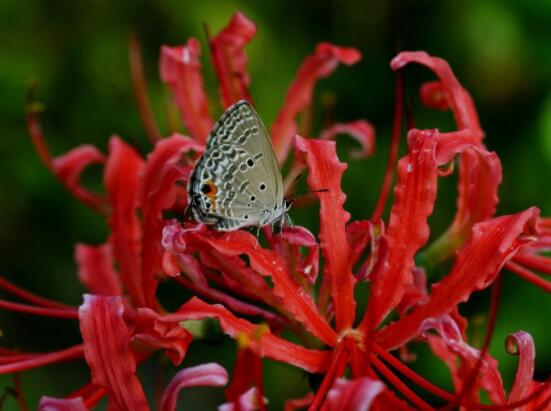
{"x": 237, "y": 181}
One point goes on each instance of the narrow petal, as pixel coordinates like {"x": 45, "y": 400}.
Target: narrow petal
{"x": 261, "y": 340}
{"x": 488, "y": 376}
{"x": 521, "y": 344}
{"x": 408, "y": 231}
{"x": 107, "y": 351}
{"x": 299, "y": 95}
{"x": 181, "y": 70}
{"x": 230, "y": 60}
{"x": 415, "y": 193}
{"x": 479, "y": 176}
{"x": 326, "y": 173}
{"x": 492, "y": 244}
{"x": 353, "y": 395}
{"x": 158, "y": 191}
{"x": 458, "y": 98}
{"x": 267, "y": 263}
{"x": 211, "y": 374}
{"x": 61, "y": 404}
{"x": 362, "y": 130}
{"x": 122, "y": 178}
{"x": 95, "y": 269}
{"x": 69, "y": 167}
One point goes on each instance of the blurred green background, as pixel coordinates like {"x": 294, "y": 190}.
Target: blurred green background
{"x": 77, "y": 51}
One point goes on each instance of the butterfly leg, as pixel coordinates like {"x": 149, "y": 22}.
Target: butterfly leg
{"x": 257, "y": 237}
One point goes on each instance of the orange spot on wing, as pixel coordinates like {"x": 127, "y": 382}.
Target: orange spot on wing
{"x": 212, "y": 193}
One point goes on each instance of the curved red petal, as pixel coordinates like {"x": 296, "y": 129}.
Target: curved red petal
{"x": 480, "y": 175}
{"x": 261, "y": 340}
{"x": 122, "y": 179}
{"x": 172, "y": 338}
{"x": 95, "y": 269}
{"x": 433, "y": 95}
{"x": 521, "y": 344}
{"x": 158, "y": 191}
{"x": 69, "y": 167}
{"x": 181, "y": 70}
{"x": 458, "y": 98}
{"x": 353, "y": 395}
{"x": 325, "y": 173}
{"x": 61, "y": 404}
{"x": 492, "y": 244}
{"x": 488, "y": 376}
{"x": 267, "y": 263}
{"x": 107, "y": 351}
{"x": 230, "y": 60}
{"x": 211, "y": 374}
{"x": 361, "y": 130}
{"x": 408, "y": 231}
{"x": 299, "y": 95}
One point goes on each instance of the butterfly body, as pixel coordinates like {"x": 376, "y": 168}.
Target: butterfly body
{"x": 237, "y": 182}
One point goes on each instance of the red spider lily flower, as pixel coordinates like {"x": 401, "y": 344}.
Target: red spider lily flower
{"x": 255, "y": 293}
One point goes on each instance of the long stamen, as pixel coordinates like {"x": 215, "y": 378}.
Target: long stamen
{"x": 398, "y": 384}
{"x": 30, "y": 297}
{"x": 32, "y": 117}
{"x": 334, "y": 371}
{"x": 140, "y": 88}
{"x": 412, "y": 375}
{"x": 394, "y": 145}
{"x": 47, "y": 312}
{"x": 19, "y": 392}
{"x": 534, "y": 262}
{"x": 529, "y": 276}
{"x": 40, "y": 360}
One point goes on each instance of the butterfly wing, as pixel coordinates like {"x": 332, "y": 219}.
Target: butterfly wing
{"x": 237, "y": 181}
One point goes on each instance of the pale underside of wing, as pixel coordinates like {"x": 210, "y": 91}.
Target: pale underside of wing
{"x": 240, "y": 167}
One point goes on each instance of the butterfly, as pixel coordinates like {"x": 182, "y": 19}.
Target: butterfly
{"x": 237, "y": 181}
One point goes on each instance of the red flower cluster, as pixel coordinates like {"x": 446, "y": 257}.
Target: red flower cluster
{"x": 259, "y": 292}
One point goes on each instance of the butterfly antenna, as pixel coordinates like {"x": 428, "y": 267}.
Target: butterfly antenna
{"x": 294, "y": 197}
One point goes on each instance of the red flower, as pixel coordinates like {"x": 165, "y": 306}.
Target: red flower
{"x": 281, "y": 287}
